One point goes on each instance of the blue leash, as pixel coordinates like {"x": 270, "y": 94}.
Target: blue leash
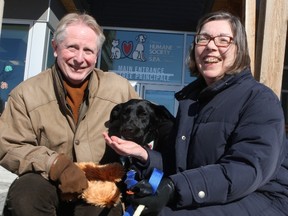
{"x": 130, "y": 181}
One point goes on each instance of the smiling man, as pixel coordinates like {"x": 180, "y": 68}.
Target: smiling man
{"x": 57, "y": 118}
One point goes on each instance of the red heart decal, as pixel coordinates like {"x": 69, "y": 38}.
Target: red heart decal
{"x": 127, "y": 47}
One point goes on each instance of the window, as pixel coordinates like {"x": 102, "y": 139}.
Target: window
{"x": 13, "y": 47}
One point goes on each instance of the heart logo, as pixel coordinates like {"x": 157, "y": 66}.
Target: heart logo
{"x": 127, "y": 47}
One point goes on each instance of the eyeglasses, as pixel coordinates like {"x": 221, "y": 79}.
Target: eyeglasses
{"x": 220, "y": 41}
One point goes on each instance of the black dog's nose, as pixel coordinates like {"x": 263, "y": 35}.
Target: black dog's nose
{"x": 127, "y": 132}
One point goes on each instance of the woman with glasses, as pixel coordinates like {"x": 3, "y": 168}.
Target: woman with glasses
{"x": 228, "y": 153}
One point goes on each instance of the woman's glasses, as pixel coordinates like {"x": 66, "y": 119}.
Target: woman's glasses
{"x": 220, "y": 41}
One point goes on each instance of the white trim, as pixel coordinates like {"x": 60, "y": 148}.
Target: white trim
{"x": 17, "y": 21}
{"x": 52, "y": 20}
{"x": 37, "y": 47}
{"x": 1, "y": 13}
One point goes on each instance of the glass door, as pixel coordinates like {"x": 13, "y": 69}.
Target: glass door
{"x": 161, "y": 94}
{"x": 13, "y": 48}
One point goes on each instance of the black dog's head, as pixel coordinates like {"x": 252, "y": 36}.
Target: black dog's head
{"x": 138, "y": 120}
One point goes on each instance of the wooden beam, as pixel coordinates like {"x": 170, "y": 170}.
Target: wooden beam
{"x": 250, "y": 26}
{"x": 270, "y": 45}
{"x": 69, "y": 5}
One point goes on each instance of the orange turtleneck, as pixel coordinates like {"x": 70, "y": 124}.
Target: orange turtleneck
{"x": 74, "y": 97}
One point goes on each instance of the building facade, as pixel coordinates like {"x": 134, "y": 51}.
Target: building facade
{"x": 150, "y": 50}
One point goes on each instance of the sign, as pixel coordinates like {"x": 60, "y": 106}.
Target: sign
{"x": 144, "y": 56}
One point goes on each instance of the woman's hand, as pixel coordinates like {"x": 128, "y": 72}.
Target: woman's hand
{"x": 126, "y": 148}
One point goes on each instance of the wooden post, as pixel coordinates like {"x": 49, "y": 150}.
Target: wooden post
{"x": 69, "y": 5}
{"x": 250, "y": 26}
{"x": 271, "y": 40}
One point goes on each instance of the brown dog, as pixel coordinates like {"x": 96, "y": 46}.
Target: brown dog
{"x": 102, "y": 184}
{"x": 102, "y": 189}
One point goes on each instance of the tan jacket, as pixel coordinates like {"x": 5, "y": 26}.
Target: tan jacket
{"x": 37, "y": 125}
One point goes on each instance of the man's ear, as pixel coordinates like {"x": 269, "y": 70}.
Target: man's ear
{"x": 54, "y": 45}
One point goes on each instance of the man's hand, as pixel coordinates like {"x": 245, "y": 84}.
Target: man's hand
{"x": 71, "y": 178}
{"x": 143, "y": 195}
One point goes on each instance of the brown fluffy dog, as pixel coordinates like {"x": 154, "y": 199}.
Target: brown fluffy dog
{"x": 102, "y": 189}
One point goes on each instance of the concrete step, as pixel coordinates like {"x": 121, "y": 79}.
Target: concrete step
{"x": 6, "y": 178}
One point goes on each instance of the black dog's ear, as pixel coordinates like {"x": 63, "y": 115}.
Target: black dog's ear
{"x": 162, "y": 112}
{"x": 165, "y": 124}
{"x": 114, "y": 121}
{"x": 115, "y": 113}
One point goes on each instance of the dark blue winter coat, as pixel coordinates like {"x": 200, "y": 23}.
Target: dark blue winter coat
{"x": 229, "y": 144}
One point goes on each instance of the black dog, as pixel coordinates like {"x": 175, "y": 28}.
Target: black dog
{"x": 141, "y": 121}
